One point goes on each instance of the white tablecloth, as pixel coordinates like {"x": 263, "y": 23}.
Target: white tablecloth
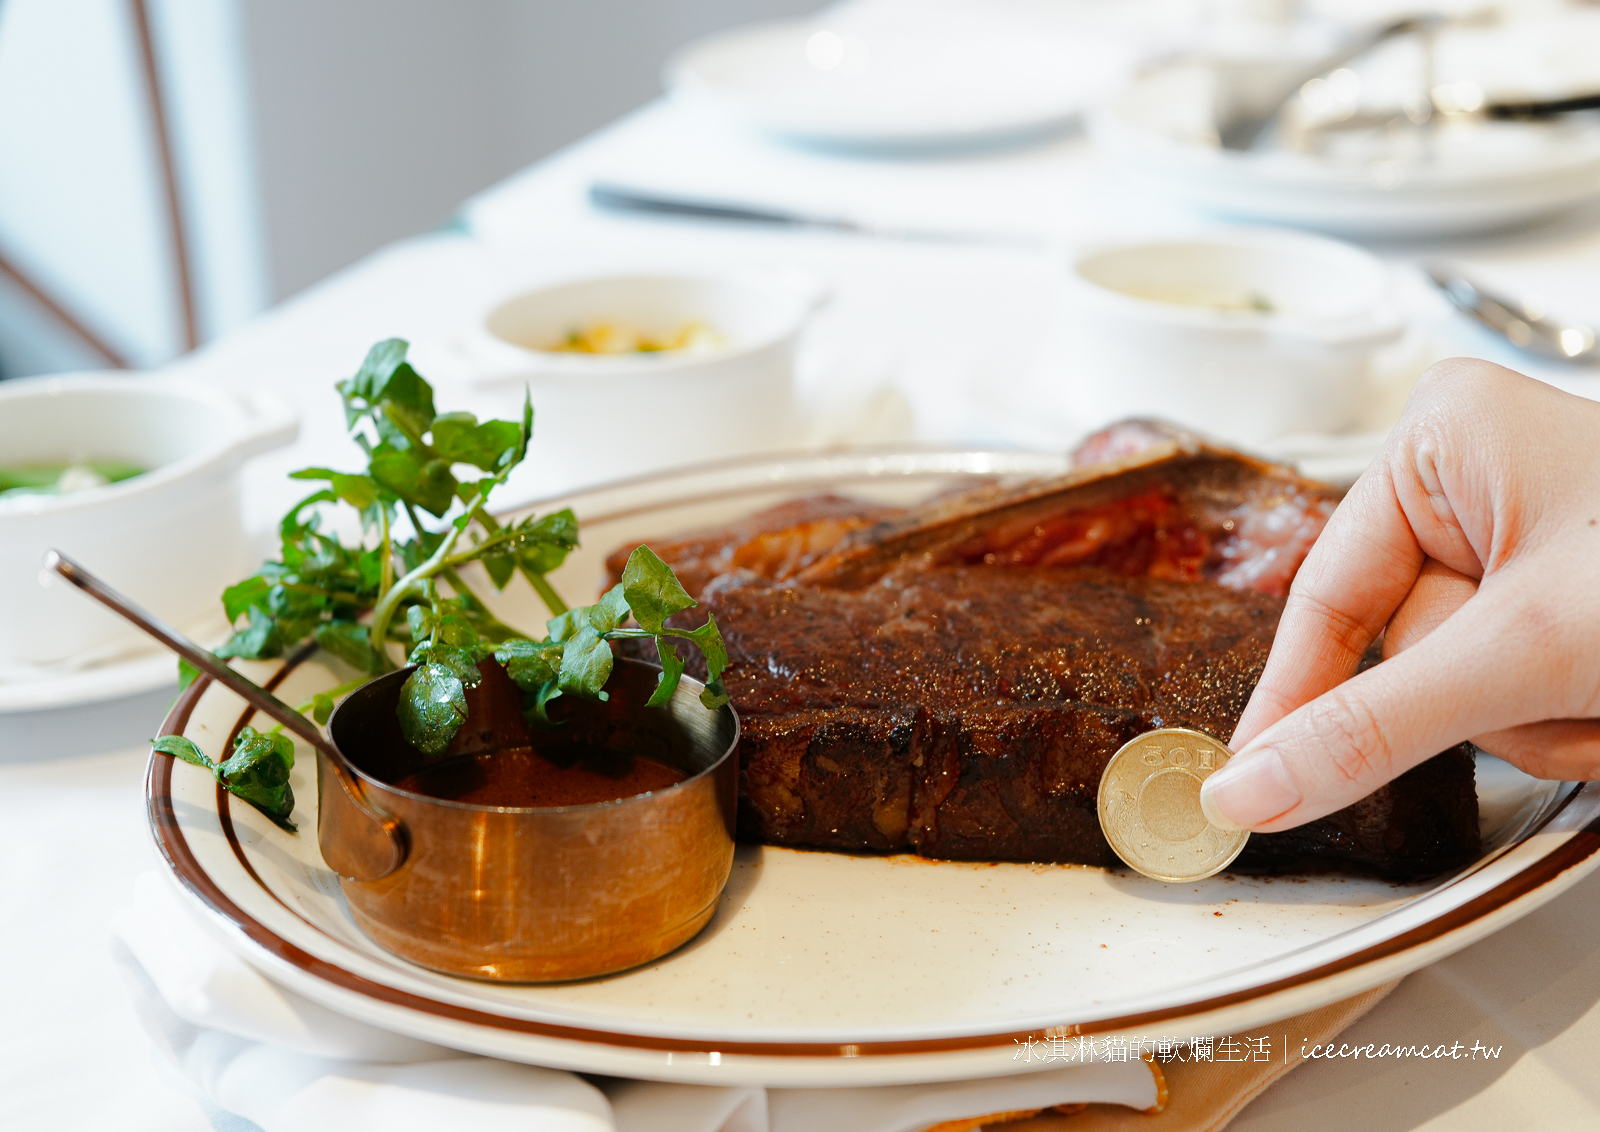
{"x": 958, "y": 330}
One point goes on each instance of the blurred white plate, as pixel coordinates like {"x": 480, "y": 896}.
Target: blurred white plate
{"x": 1483, "y": 175}
{"x": 834, "y": 969}
{"x": 92, "y": 680}
{"x": 953, "y": 75}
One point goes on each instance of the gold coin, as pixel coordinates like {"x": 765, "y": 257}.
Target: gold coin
{"x": 1150, "y": 806}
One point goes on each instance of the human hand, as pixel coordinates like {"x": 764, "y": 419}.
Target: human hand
{"x": 1473, "y": 545}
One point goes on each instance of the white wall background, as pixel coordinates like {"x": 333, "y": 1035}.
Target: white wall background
{"x": 306, "y": 134}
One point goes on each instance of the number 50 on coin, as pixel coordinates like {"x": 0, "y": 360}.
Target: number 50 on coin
{"x": 1149, "y": 806}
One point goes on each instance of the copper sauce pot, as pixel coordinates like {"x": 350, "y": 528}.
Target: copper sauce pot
{"x": 531, "y": 894}
{"x": 527, "y": 895}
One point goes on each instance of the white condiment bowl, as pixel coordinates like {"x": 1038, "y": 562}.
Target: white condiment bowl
{"x": 606, "y": 416}
{"x": 1246, "y": 335}
{"x": 171, "y": 538}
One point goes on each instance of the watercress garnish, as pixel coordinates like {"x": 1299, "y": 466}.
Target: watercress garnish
{"x": 400, "y": 585}
{"x": 257, "y": 771}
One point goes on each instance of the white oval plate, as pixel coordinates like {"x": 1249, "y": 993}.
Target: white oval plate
{"x": 1157, "y": 129}
{"x": 836, "y": 969}
{"x": 94, "y": 680}
{"x": 966, "y": 77}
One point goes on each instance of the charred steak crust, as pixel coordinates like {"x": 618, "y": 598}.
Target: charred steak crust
{"x": 968, "y": 713}
{"x": 1186, "y": 654}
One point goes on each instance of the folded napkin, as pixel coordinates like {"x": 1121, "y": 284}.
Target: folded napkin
{"x": 249, "y": 1048}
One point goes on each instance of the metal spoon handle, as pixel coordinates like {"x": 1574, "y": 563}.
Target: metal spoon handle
{"x": 252, "y": 693}
{"x": 370, "y": 845}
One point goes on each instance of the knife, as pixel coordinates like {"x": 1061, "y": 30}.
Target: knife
{"x": 624, "y": 198}
{"x": 1539, "y": 110}
{"x": 1522, "y": 323}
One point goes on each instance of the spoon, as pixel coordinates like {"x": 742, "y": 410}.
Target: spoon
{"x": 382, "y": 850}
{"x": 1523, "y": 323}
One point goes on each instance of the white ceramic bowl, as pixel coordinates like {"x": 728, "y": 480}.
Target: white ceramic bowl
{"x": 171, "y": 539}
{"x": 605, "y": 416}
{"x": 1246, "y": 335}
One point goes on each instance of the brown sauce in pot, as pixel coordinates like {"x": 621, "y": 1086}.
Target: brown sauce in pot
{"x": 557, "y": 774}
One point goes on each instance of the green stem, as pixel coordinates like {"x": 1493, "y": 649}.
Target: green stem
{"x": 547, "y": 594}
{"x": 343, "y": 689}
{"x": 495, "y": 629}
{"x": 416, "y": 525}
{"x": 386, "y": 558}
{"x": 553, "y": 603}
{"x": 385, "y": 611}
{"x": 333, "y": 595}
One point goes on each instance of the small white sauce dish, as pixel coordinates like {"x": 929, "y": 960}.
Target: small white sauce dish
{"x": 172, "y": 537}
{"x": 729, "y": 397}
{"x": 1246, "y": 335}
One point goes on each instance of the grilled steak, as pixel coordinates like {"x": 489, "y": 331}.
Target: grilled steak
{"x": 952, "y": 680}
{"x": 968, "y": 713}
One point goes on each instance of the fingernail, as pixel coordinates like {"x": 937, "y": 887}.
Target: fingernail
{"x": 1251, "y": 789}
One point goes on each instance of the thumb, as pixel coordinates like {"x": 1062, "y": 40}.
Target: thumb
{"x": 1335, "y": 750}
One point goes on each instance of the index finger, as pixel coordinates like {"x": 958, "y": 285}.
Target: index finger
{"x": 1355, "y": 577}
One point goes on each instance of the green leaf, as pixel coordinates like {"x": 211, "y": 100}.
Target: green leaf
{"x": 259, "y": 641}
{"x": 432, "y": 708}
{"x": 385, "y": 384}
{"x": 258, "y": 772}
{"x": 609, "y": 612}
{"x": 351, "y": 643}
{"x": 531, "y": 664}
{"x": 357, "y": 490}
{"x": 500, "y": 568}
{"x": 456, "y": 629}
{"x": 537, "y": 545}
{"x": 714, "y": 695}
{"x": 585, "y": 664}
{"x": 367, "y": 386}
{"x": 292, "y": 526}
{"x": 548, "y": 541}
{"x": 321, "y": 707}
{"x": 565, "y": 626}
{"x": 419, "y": 480}
{"x": 279, "y": 744}
{"x": 535, "y": 705}
{"x": 653, "y": 590}
{"x": 459, "y": 662}
{"x": 708, "y": 639}
{"x": 408, "y": 401}
{"x": 369, "y": 569}
{"x": 187, "y": 674}
{"x": 459, "y": 438}
{"x": 527, "y": 424}
{"x": 671, "y": 670}
{"x": 237, "y": 599}
{"x": 421, "y": 620}
{"x": 179, "y": 747}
